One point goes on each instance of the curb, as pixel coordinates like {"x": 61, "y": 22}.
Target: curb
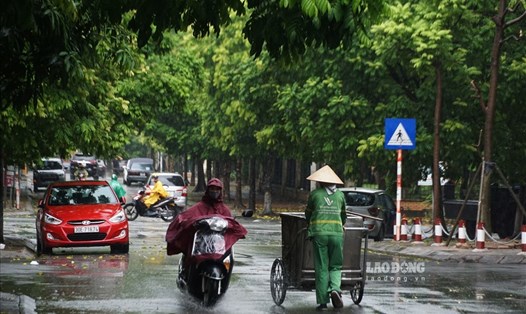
{"x": 450, "y": 254}
{"x": 12, "y": 303}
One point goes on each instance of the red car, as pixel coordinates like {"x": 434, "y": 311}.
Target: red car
{"x": 81, "y": 213}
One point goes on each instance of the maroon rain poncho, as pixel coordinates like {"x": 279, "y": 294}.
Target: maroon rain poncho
{"x": 180, "y": 233}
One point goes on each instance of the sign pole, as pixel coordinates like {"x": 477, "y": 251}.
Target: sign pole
{"x": 399, "y": 134}
{"x": 398, "y": 193}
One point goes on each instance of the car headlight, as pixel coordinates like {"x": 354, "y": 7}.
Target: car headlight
{"x": 51, "y": 220}
{"x": 118, "y": 217}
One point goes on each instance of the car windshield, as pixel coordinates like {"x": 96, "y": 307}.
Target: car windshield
{"x": 141, "y": 166}
{"x": 51, "y": 165}
{"x": 359, "y": 199}
{"x": 83, "y": 157}
{"x": 170, "y": 180}
{"x": 82, "y": 194}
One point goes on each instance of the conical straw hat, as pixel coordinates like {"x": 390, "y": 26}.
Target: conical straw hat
{"x": 325, "y": 174}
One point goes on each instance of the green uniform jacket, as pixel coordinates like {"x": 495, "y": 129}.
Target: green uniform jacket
{"x": 325, "y": 213}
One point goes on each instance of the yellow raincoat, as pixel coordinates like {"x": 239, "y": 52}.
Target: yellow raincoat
{"x": 158, "y": 192}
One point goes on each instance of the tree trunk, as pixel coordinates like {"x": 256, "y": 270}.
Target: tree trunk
{"x": 200, "y": 186}
{"x": 267, "y": 186}
{"x": 225, "y": 173}
{"x": 252, "y": 184}
{"x": 209, "y": 166}
{"x": 1, "y": 195}
{"x": 194, "y": 171}
{"x": 185, "y": 169}
{"x": 297, "y": 179}
{"x": 437, "y": 189}
{"x": 500, "y": 24}
{"x": 284, "y": 175}
{"x": 238, "y": 203}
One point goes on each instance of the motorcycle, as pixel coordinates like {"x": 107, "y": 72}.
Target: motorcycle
{"x": 166, "y": 209}
{"x": 207, "y": 263}
{"x": 80, "y": 176}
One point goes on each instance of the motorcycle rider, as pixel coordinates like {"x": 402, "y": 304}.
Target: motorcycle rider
{"x": 211, "y": 203}
{"x": 117, "y": 187}
{"x": 81, "y": 173}
{"x": 157, "y": 193}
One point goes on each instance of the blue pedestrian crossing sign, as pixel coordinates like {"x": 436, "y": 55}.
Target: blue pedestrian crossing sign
{"x": 400, "y": 133}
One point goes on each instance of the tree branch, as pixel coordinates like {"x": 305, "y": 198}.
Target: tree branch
{"x": 517, "y": 19}
{"x": 478, "y": 93}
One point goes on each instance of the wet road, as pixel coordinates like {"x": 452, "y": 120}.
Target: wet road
{"x": 91, "y": 280}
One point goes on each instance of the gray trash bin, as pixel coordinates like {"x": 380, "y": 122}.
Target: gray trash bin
{"x": 297, "y": 251}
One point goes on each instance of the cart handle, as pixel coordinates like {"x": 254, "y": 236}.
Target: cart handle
{"x": 363, "y": 216}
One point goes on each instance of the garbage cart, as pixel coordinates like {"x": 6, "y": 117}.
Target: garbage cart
{"x": 295, "y": 269}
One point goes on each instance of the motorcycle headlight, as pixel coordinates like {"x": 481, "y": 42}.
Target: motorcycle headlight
{"x": 51, "y": 220}
{"x": 118, "y": 217}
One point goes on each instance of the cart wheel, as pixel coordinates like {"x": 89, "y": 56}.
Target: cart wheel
{"x": 278, "y": 281}
{"x": 357, "y": 292}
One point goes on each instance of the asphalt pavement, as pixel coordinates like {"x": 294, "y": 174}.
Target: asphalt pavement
{"x": 505, "y": 251}
{"x": 495, "y": 251}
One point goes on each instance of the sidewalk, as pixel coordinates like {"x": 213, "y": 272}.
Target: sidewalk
{"x": 493, "y": 254}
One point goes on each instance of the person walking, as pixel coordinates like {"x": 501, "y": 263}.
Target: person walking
{"x": 117, "y": 187}
{"x": 326, "y": 216}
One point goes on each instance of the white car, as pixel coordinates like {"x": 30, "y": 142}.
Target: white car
{"x": 174, "y": 184}
{"x": 49, "y": 170}
{"x": 375, "y": 203}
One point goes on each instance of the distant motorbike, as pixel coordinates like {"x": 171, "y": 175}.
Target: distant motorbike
{"x": 205, "y": 272}
{"x": 166, "y": 209}
{"x": 80, "y": 176}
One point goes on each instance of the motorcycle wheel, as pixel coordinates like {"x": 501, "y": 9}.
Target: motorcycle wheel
{"x": 211, "y": 294}
{"x": 169, "y": 213}
{"x": 131, "y": 212}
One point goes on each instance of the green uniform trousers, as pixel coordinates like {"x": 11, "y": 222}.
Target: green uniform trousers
{"x": 328, "y": 259}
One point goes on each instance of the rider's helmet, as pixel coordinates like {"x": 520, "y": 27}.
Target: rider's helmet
{"x": 114, "y": 177}
{"x": 214, "y": 189}
{"x": 214, "y": 182}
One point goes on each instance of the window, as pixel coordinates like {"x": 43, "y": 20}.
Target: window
{"x": 359, "y": 199}
{"x": 90, "y": 194}
{"x": 141, "y": 166}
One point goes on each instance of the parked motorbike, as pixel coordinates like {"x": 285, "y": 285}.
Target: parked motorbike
{"x": 166, "y": 209}
{"x": 206, "y": 269}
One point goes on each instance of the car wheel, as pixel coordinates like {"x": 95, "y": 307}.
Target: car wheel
{"x": 42, "y": 248}
{"x": 381, "y": 234}
{"x": 120, "y": 248}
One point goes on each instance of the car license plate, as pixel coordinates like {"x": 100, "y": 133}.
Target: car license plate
{"x": 85, "y": 229}
{"x": 143, "y": 174}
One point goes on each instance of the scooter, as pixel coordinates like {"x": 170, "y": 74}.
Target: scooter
{"x": 80, "y": 176}
{"x": 166, "y": 209}
{"x": 206, "y": 269}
